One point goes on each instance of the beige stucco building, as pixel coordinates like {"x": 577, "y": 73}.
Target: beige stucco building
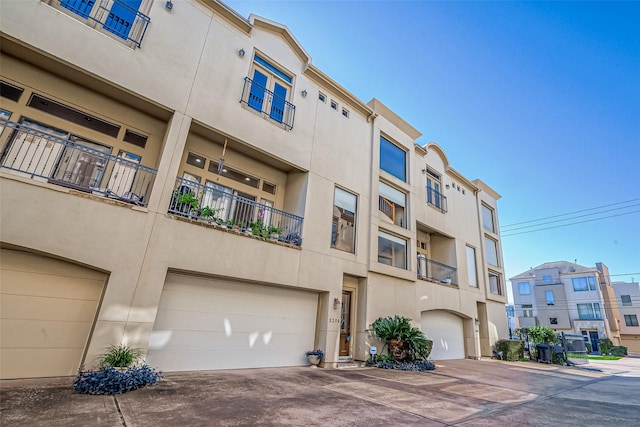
{"x": 627, "y": 295}
{"x": 187, "y": 182}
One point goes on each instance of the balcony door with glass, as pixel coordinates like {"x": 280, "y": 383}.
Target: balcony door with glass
{"x": 122, "y": 17}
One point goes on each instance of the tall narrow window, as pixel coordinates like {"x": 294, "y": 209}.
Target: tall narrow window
{"x": 343, "y": 227}
{"x": 393, "y": 159}
{"x": 392, "y": 203}
{"x": 471, "y": 267}
{"x": 488, "y": 221}
{"x": 495, "y": 285}
{"x": 392, "y": 250}
{"x": 549, "y": 296}
{"x": 491, "y": 248}
{"x": 527, "y": 310}
{"x": 269, "y": 90}
{"x": 121, "y": 17}
{"x": 434, "y": 187}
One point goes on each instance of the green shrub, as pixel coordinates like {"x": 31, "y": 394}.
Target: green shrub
{"x": 605, "y": 345}
{"x": 619, "y": 350}
{"x": 588, "y": 345}
{"x": 512, "y": 350}
{"x": 119, "y": 356}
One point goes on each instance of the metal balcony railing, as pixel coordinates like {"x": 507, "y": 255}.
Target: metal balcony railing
{"x": 35, "y": 152}
{"x": 437, "y": 199}
{"x": 266, "y": 102}
{"x": 216, "y": 204}
{"x": 115, "y": 16}
{"x": 435, "y": 271}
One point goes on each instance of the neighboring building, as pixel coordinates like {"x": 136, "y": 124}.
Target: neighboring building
{"x": 628, "y": 299}
{"x": 139, "y": 159}
{"x": 570, "y": 298}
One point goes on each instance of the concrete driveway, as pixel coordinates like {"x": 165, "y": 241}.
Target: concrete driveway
{"x": 459, "y": 392}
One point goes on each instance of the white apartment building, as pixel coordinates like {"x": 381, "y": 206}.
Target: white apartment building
{"x": 568, "y": 297}
{"x": 187, "y": 182}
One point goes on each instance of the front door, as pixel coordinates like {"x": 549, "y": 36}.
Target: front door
{"x": 593, "y": 337}
{"x": 345, "y": 323}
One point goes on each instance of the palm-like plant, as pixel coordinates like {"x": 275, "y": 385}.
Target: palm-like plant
{"x": 403, "y": 340}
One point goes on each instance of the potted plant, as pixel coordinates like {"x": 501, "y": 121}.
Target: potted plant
{"x": 314, "y": 357}
{"x": 404, "y": 341}
{"x": 274, "y": 232}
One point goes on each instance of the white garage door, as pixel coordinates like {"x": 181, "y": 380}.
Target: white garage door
{"x": 446, "y": 331}
{"x": 47, "y": 309}
{"x": 205, "y": 324}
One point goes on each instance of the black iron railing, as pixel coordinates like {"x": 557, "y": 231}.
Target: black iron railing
{"x": 266, "y": 102}
{"x": 218, "y": 205}
{"x": 34, "y": 152}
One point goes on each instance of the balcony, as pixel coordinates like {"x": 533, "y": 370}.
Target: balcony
{"x": 267, "y": 103}
{"x": 216, "y": 205}
{"x": 436, "y": 272}
{"x": 38, "y": 154}
{"x": 437, "y": 199}
{"x": 113, "y": 16}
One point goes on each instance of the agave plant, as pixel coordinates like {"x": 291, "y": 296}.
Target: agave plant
{"x": 403, "y": 340}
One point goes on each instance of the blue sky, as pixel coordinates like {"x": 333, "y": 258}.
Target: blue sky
{"x": 541, "y": 100}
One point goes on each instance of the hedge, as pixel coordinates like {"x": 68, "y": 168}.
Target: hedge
{"x": 512, "y": 350}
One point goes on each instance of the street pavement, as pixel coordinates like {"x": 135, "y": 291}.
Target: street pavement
{"x": 458, "y": 393}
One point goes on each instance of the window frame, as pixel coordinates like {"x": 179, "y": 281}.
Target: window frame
{"x": 394, "y": 240}
{"x": 393, "y": 196}
{"x": 494, "y": 246}
{"x": 275, "y": 77}
{"x": 589, "y": 285}
{"x": 520, "y": 288}
{"x": 631, "y": 318}
{"x": 626, "y": 303}
{"x": 548, "y": 295}
{"x": 391, "y": 150}
{"x": 498, "y": 283}
{"x": 471, "y": 259}
{"x": 488, "y": 211}
{"x": 335, "y": 242}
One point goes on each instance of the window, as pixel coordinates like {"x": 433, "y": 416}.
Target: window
{"x": 235, "y": 175}
{"x": 549, "y": 297}
{"x": 343, "y": 230}
{"x": 527, "y": 310}
{"x": 268, "y": 187}
{"x": 491, "y": 246}
{"x": 9, "y": 91}
{"x": 487, "y": 219}
{"x": 196, "y": 160}
{"x": 546, "y": 278}
{"x": 589, "y": 311}
{"x": 553, "y": 320}
{"x": 392, "y": 250}
{"x": 631, "y": 320}
{"x": 434, "y": 196}
{"x": 322, "y": 97}
{"x": 471, "y": 267}
{"x": 392, "y": 203}
{"x": 334, "y": 105}
{"x": 495, "y": 285}
{"x": 4, "y": 115}
{"x": 345, "y": 112}
{"x": 392, "y": 159}
{"x": 135, "y": 138}
{"x": 626, "y": 299}
{"x": 269, "y": 91}
{"x": 524, "y": 288}
{"x": 584, "y": 284}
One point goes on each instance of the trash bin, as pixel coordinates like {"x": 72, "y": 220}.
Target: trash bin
{"x": 544, "y": 353}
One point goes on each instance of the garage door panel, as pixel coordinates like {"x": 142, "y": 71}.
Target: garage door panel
{"x": 43, "y": 334}
{"x": 24, "y": 262}
{"x": 447, "y": 332}
{"x": 42, "y": 308}
{"x": 44, "y": 362}
{"x": 28, "y": 283}
{"x": 217, "y": 324}
{"x": 47, "y": 309}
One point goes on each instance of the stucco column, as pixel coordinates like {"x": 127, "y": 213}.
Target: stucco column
{"x": 173, "y": 146}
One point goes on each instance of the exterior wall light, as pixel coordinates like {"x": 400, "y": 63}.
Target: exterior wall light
{"x": 336, "y": 303}
{"x": 168, "y": 5}
{"x": 304, "y": 93}
{"x": 241, "y": 53}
